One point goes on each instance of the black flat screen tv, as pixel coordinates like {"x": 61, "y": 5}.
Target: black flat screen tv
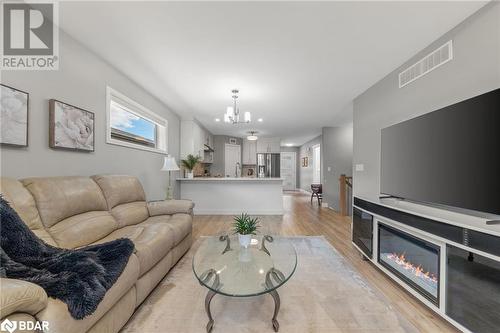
{"x": 449, "y": 157}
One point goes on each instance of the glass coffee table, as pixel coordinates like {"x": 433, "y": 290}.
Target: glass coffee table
{"x": 226, "y": 268}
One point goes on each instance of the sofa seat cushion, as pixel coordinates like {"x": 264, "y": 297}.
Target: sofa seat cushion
{"x": 60, "y": 320}
{"x": 180, "y": 224}
{"x": 152, "y": 242}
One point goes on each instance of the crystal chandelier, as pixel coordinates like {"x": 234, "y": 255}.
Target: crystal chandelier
{"x": 232, "y": 114}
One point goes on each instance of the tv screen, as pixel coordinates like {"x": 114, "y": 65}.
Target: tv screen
{"x": 448, "y": 157}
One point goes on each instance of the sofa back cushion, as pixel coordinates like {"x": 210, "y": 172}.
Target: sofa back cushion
{"x": 73, "y": 209}
{"x": 23, "y": 203}
{"x": 125, "y": 198}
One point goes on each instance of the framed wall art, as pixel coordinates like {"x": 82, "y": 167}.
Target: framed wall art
{"x": 14, "y": 105}
{"x": 70, "y": 127}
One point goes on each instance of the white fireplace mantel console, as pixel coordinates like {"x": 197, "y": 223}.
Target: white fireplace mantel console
{"x": 448, "y": 260}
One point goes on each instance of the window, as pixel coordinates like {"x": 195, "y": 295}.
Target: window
{"x": 132, "y": 125}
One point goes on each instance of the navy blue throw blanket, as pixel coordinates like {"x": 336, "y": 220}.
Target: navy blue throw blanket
{"x": 79, "y": 278}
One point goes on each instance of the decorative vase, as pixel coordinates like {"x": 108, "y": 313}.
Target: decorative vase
{"x": 244, "y": 240}
{"x": 190, "y": 175}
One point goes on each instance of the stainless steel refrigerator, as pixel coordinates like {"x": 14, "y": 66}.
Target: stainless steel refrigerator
{"x": 268, "y": 165}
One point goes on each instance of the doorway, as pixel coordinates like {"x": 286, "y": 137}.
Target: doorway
{"x": 288, "y": 170}
{"x": 232, "y": 157}
{"x": 316, "y": 164}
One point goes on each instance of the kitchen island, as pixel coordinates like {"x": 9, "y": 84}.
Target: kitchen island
{"x": 230, "y": 196}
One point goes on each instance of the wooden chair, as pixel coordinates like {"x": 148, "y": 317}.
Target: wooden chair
{"x": 317, "y": 191}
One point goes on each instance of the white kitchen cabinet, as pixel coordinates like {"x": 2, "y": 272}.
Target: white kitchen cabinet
{"x": 275, "y": 145}
{"x": 249, "y": 152}
{"x": 268, "y": 145}
{"x": 262, "y": 145}
{"x": 193, "y": 139}
{"x": 209, "y": 139}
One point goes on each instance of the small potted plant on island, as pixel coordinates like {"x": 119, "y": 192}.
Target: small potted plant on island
{"x": 245, "y": 226}
{"x": 189, "y": 164}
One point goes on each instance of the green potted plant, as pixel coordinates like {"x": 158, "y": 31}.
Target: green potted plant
{"x": 189, "y": 164}
{"x": 245, "y": 226}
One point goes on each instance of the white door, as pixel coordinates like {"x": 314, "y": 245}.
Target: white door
{"x": 288, "y": 172}
{"x": 232, "y": 155}
{"x": 316, "y": 164}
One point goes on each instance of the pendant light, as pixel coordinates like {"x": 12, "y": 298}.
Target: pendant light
{"x": 252, "y": 136}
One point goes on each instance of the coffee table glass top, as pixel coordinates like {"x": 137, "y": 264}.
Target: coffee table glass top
{"x": 223, "y": 266}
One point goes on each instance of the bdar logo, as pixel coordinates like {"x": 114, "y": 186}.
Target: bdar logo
{"x": 8, "y": 326}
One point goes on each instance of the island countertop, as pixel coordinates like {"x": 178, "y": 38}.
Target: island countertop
{"x": 233, "y": 196}
{"x": 230, "y": 179}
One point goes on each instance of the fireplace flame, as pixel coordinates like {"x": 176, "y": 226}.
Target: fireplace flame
{"x": 418, "y": 271}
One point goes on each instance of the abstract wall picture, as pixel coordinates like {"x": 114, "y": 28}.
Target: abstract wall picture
{"x": 13, "y": 116}
{"x": 70, "y": 127}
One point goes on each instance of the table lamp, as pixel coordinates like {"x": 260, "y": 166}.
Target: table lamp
{"x": 169, "y": 165}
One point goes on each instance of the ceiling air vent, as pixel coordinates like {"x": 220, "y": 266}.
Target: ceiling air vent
{"x": 430, "y": 62}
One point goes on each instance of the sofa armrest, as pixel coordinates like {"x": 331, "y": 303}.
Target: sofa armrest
{"x": 21, "y": 296}
{"x": 169, "y": 207}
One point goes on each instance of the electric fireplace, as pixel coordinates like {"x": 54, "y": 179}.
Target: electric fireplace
{"x": 362, "y": 231}
{"x": 413, "y": 260}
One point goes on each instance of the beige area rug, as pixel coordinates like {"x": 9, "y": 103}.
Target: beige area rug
{"x": 324, "y": 295}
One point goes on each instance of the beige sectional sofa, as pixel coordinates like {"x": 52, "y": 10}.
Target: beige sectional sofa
{"x": 72, "y": 212}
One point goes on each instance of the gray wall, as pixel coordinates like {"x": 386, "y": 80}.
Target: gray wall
{"x": 297, "y": 162}
{"x": 474, "y": 70}
{"x": 81, "y": 80}
{"x": 306, "y": 174}
{"x": 218, "y": 166}
{"x": 336, "y": 153}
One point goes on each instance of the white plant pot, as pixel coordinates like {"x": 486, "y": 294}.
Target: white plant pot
{"x": 245, "y": 240}
{"x": 190, "y": 175}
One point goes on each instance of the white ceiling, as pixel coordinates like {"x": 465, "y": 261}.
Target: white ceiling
{"x": 298, "y": 65}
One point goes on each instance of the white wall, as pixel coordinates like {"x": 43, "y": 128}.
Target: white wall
{"x": 474, "y": 70}
{"x": 81, "y": 80}
{"x": 336, "y": 153}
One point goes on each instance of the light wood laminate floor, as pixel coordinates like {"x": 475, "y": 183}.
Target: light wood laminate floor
{"x": 302, "y": 219}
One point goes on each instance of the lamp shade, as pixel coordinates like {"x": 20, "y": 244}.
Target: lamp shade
{"x": 169, "y": 164}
